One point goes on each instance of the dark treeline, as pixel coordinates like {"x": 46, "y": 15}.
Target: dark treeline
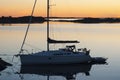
{"x": 98, "y": 20}
{"x": 23, "y": 19}
{"x": 91, "y": 20}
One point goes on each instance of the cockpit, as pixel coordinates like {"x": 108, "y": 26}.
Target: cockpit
{"x": 72, "y": 48}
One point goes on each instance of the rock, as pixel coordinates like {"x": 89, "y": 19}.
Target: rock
{"x": 4, "y": 63}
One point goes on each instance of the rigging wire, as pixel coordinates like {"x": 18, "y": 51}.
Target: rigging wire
{"x": 32, "y": 46}
{"x": 26, "y": 33}
{"x": 21, "y": 49}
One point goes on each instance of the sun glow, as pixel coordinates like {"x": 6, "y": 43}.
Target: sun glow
{"x": 62, "y": 8}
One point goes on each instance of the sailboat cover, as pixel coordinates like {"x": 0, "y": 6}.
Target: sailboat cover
{"x": 52, "y": 41}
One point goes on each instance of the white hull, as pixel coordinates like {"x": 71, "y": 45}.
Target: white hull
{"x": 36, "y": 60}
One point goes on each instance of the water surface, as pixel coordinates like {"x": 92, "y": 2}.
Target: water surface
{"x": 102, "y": 39}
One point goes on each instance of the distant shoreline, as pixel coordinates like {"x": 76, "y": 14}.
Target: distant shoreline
{"x": 25, "y": 19}
{"x": 91, "y": 20}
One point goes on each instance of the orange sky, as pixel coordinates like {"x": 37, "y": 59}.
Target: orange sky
{"x": 62, "y": 8}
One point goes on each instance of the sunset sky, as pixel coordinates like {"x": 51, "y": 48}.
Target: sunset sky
{"x": 62, "y": 8}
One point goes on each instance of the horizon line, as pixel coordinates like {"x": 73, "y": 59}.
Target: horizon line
{"x": 58, "y": 17}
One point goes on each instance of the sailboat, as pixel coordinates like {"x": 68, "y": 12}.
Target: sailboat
{"x": 67, "y": 55}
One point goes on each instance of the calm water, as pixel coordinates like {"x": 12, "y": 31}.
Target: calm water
{"x": 102, "y": 39}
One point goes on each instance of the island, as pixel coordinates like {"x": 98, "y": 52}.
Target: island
{"x": 39, "y": 19}
{"x": 23, "y": 19}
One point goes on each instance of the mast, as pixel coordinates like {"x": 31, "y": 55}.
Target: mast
{"x": 49, "y": 41}
{"x": 48, "y": 9}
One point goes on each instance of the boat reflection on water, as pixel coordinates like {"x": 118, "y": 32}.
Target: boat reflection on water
{"x": 67, "y": 71}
